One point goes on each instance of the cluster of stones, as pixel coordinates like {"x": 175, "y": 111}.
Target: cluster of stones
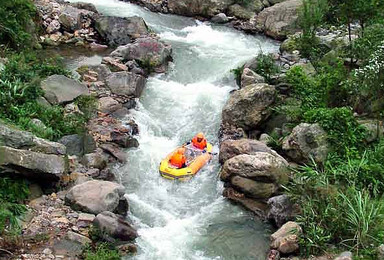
{"x": 68, "y": 23}
{"x": 275, "y": 18}
{"x": 82, "y": 163}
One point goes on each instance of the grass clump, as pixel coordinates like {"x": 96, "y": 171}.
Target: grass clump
{"x": 12, "y": 194}
{"x": 102, "y": 251}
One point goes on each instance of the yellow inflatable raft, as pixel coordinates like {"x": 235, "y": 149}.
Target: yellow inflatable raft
{"x": 196, "y": 159}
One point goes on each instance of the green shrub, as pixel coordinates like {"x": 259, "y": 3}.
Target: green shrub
{"x": 15, "y": 18}
{"x": 266, "y": 66}
{"x": 12, "y": 193}
{"x": 334, "y": 212}
{"x": 102, "y": 252}
{"x": 237, "y": 73}
{"x": 344, "y": 132}
{"x": 19, "y": 89}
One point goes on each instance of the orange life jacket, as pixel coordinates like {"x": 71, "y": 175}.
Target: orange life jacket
{"x": 200, "y": 145}
{"x": 178, "y": 160}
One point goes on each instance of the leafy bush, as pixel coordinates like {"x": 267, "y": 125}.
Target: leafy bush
{"x": 12, "y": 193}
{"x": 266, "y": 66}
{"x": 344, "y": 132}
{"x": 334, "y": 212}
{"x": 15, "y": 18}
{"x": 19, "y": 89}
{"x": 102, "y": 252}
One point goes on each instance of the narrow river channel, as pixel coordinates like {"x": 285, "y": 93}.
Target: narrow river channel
{"x": 187, "y": 220}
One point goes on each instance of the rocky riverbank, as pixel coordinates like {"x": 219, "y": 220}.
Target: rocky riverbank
{"x": 274, "y": 18}
{"x": 254, "y": 174}
{"x": 83, "y": 201}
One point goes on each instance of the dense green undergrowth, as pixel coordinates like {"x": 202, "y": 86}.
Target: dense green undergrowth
{"x": 342, "y": 199}
{"x": 20, "y": 89}
{"x": 12, "y": 194}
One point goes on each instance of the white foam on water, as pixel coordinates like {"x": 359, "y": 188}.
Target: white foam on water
{"x": 187, "y": 220}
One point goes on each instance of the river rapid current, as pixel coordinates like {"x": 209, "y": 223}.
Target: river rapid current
{"x": 187, "y": 220}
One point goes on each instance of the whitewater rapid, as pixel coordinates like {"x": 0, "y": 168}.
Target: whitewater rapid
{"x": 187, "y": 220}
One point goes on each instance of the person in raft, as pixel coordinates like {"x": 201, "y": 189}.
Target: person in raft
{"x": 199, "y": 142}
{"x": 178, "y": 159}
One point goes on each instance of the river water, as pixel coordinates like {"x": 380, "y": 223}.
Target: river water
{"x": 187, "y": 220}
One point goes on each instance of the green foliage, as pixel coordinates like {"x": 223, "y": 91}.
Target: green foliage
{"x": 311, "y": 16}
{"x": 364, "y": 47}
{"x": 266, "y": 66}
{"x": 19, "y": 89}
{"x": 102, "y": 252}
{"x": 243, "y": 2}
{"x": 237, "y": 73}
{"x": 344, "y": 132}
{"x": 334, "y": 211}
{"x": 12, "y": 193}
{"x": 15, "y": 18}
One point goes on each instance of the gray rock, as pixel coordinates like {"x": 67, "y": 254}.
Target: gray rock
{"x": 108, "y": 105}
{"x": 70, "y": 17}
{"x": 380, "y": 252}
{"x": 253, "y": 189}
{"x": 126, "y": 83}
{"x": 32, "y": 163}
{"x": 95, "y": 196}
{"x": 279, "y": 20}
{"x": 119, "y": 30}
{"x": 249, "y": 77}
{"x": 86, "y": 6}
{"x": 115, "y": 226}
{"x": 282, "y": 210}
{"x": 344, "y": 256}
{"x": 306, "y": 142}
{"x": 61, "y": 90}
{"x": 257, "y": 207}
{"x": 95, "y": 160}
{"x": 149, "y": 52}
{"x": 77, "y": 238}
{"x": 53, "y": 27}
{"x": 262, "y": 167}
{"x": 78, "y": 144}
{"x": 231, "y": 148}
{"x": 248, "y": 107}
{"x": 286, "y": 239}
{"x": 220, "y": 18}
{"x": 240, "y": 12}
{"x": 206, "y": 8}
{"x": 374, "y": 129}
{"x": 12, "y": 137}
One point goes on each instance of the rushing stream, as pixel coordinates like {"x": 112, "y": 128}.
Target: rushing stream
{"x": 187, "y": 220}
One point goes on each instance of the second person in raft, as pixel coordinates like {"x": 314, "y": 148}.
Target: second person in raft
{"x": 179, "y": 160}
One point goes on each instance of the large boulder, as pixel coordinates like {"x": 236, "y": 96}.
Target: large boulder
{"x": 207, "y": 8}
{"x": 240, "y": 12}
{"x": 253, "y": 189}
{"x": 249, "y": 77}
{"x": 374, "y": 129}
{"x": 120, "y": 30}
{"x": 282, "y": 210}
{"x": 71, "y": 17}
{"x": 286, "y": 239}
{"x": 279, "y": 20}
{"x": 112, "y": 225}
{"x": 78, "y": 144}
{"x": 306, "y": 142}
{"x": 61, "y": 90}
{"x": 17, "y": 139}
{"x": 126, "y": 83}
{"x": 231, "y": 148}
{"x": 148, "y": 52}
{"x": 248, "y": 107}
{"x": 96, "y": 196}
{"x": 33, "y": 164}
{"x": 261, "y": 167}
{"x": 257, "y": 207}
